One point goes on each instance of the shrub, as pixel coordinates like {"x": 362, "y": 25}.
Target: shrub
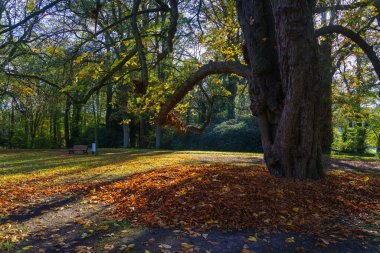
{"x": 240, "y": 134}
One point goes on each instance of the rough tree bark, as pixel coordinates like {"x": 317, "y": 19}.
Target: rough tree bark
{"x": 285, "y": 83}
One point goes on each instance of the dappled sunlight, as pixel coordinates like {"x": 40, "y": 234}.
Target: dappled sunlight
{"x": 188, "y": 189}
{"x": 235, "y": 197}
{"x": 31, "y": 178}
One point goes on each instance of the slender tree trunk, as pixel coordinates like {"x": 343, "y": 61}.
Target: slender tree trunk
{"x": 158, "y": 136}
{"x": 285, "y": 84}
{"x": 27, "y": 130}
{"x": 55, "y": 128}
{"x": 126, "y": 142}
{"x": 122, "y": 97}
{"x": 109, "y": 106}
{"x": 326, "y": 64}
{"x": 326, "y": 111}
{"x": 67, "y": 123}
{"x": 232, "y": 88}
{"x": 95, "y": 108}
{"x": 76, "y": 123}
{"x": 11, "y": 129}
{"x": 133, "y": 133}
{"x": 141, "y": 133}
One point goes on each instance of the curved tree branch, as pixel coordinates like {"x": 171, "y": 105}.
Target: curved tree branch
{"x": 355, "y": 37}
{"x": 210, "y": 68}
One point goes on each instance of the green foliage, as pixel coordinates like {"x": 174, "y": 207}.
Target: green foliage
{"x": 241, "y": 134}
{"x": 6, "y": 246}
{"x": 351, "y": 140}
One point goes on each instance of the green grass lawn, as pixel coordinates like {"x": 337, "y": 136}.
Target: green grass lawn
{"x": 61, "y": 167}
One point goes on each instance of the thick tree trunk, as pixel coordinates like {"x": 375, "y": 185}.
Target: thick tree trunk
{"x": 285, "y": 83}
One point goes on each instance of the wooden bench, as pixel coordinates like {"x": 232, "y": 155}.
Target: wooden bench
{"x": 79, "y": 148}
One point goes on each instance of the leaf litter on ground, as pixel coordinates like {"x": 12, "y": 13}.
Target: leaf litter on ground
{"x": 245, "y": 197}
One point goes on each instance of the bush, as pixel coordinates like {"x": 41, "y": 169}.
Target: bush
{"x": 350, "y": 140}
{"x": 241, "y": 134}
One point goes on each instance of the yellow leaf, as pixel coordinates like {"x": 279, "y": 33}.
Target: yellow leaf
{"x": 50, "y": 49}
{"x": 213, "y": 222}
{"x": 186, "y": 246}
{"x": 290, "y": 240}
{"x": 104, "y": 227}
{"x": 31, "y": 5}
{"x": 183, "y": 191}
{"x": 247, "y": 251}
{"x": 36, "y": 50}
{"x": 295, "y": 209}
{"x": 252, "y": 239}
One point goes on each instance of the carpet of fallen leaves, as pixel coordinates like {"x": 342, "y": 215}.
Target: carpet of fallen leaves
{"x": 238, "y": 197}
{"x": 23, "y": 196}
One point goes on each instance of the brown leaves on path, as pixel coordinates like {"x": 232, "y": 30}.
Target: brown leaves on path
{"x": 16, "y": 197}
{"x": 235, "y": 197}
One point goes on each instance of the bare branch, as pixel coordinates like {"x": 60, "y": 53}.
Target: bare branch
{"x": 42, "y": 10}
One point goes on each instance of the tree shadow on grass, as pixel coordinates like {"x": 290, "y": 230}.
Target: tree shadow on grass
{"x": 64, "y": 188}
{"x": 358, "y": 166}
{"x": 39, "y": 164}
